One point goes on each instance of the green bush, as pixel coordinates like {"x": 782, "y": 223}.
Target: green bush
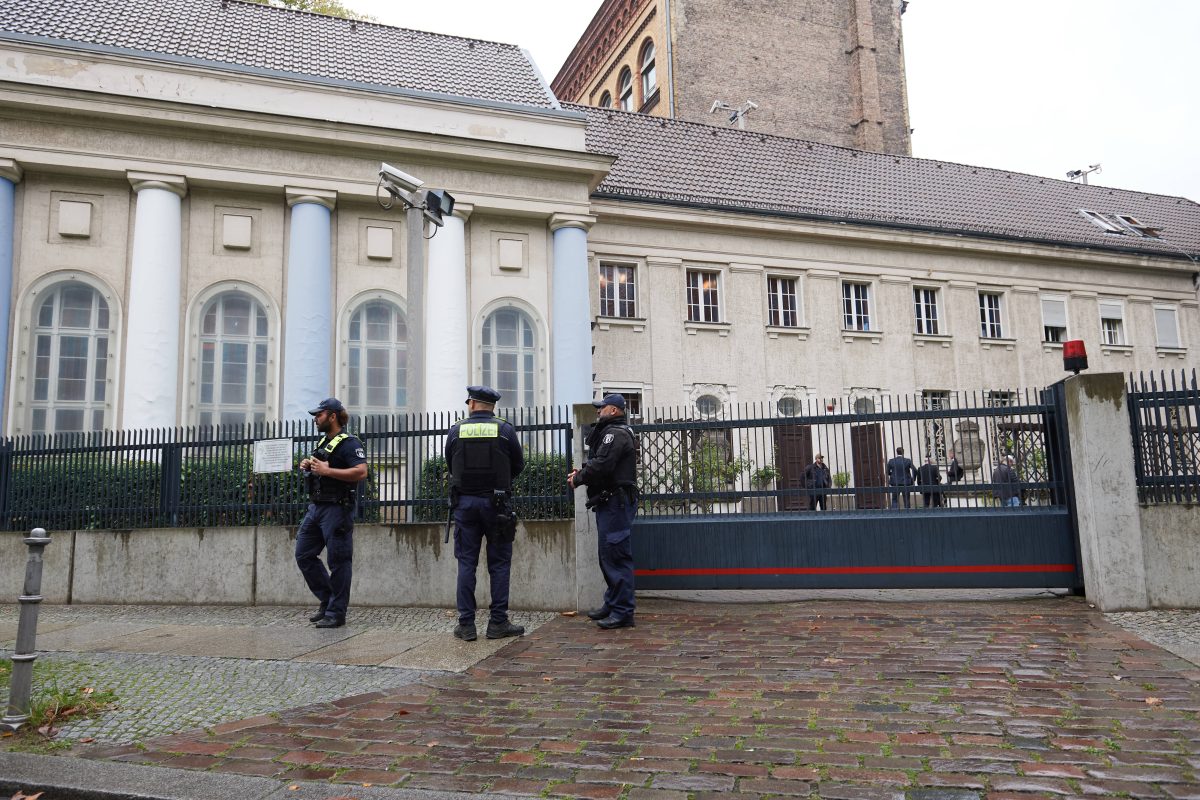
{"x": 545, "y": 475}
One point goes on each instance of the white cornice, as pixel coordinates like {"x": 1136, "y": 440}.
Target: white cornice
{"x": 321, "y": 197}
{"x": 176, "y": 184}
{"x": 582, "y": 221}
{"x": 11, "y": 170}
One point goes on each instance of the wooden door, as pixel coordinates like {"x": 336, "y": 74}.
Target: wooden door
{"x": 793, "y": 452}
{"x": 866, "y": 445}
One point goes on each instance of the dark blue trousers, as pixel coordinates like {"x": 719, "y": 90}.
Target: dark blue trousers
{"x": 475, "y": 520}
{"x": 614, "y": 521}
{"x": 328, "y": 527}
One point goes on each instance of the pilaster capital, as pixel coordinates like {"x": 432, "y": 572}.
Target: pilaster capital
{"x": 463, "y": 211}
{"x": 321, "y": 197}
{"x": 581, "y": 221}
{"x": 10, "y": 169}
{"x": 175, "y": 184}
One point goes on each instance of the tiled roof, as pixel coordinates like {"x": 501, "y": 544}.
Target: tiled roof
{"x": 243, "y": 34}
{"x": 679, "y": 162}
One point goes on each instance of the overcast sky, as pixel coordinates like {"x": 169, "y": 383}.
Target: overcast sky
{"x": 1037, "y": 86}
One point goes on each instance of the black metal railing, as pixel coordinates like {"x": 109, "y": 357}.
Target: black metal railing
{"x": 205, "y": 476}
{"x": 1164, "y": 415}
{"x": 754, "y": 459}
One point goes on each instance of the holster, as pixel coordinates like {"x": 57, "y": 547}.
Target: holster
{"x": 506, "y": 515}
{"x": 602, "y": 497}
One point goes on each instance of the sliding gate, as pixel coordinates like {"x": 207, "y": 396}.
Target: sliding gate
{"x": 725, "y": 499}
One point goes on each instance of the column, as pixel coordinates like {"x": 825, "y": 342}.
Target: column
{"x": 447, "y": 353}
{"x": 151, "y": 389}
{"x": 308, "y": 328}
{"x": 10, "y": 176}
{"x": 571, "y": 313}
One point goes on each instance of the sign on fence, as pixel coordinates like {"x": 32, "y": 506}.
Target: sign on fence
{"x": 273, "y": 455}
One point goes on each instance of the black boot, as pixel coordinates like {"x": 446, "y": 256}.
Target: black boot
{"x": 499, "y": 630}
{"x": 465, "y": 632}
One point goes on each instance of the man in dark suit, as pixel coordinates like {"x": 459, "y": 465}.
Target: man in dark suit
{"x": 929, "y": 477}
{"x": 901, "y": 475}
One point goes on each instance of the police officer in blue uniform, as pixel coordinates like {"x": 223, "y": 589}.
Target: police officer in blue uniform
{"x": 331, "y": 476}
{"x": 484, "y": 456}
{"x": 610, "y": 474}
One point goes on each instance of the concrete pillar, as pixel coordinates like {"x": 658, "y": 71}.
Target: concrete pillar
{"x": 150, "y": 398}
{"x": 10, "y": 176}
{"x": 571, "y": 315}
{"x": 447, "y": 353}
{"x": 589, "y": 581}
{"x": 308, "y": 331}
{"x": 1106, "y": 504}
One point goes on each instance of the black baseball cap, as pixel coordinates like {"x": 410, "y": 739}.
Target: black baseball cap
{"x": 610, "y": 400}
{"x": 328, "y": 404}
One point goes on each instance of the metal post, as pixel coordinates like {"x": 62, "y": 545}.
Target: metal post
{"x": 415, "y": 312}
{"x": 24, "y": 654}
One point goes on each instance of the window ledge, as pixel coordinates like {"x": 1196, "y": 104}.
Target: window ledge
{"x": 638, "y": 324}
{"x": 986, "y": 343}
{"x": 923, "y": 339}
{"x": 650, "y": 103}
{"x": 874, "y": 337}
{"x": 775, "y": 331}
{"x": 1167, "y": 352}
{"x": 1050, "y": 347}
{"x": 1110, "y": 349}
{"x": 721, "y": 328}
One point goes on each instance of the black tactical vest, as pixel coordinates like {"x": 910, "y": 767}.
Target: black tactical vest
{"x": 480, "y": 464}
{"x": 328, "y": 490}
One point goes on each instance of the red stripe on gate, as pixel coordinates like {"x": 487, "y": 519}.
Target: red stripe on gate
{"x": 858, "y": 570}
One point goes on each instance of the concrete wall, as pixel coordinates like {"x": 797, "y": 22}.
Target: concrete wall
{"x": 398, "y": 565}
{"x": 1171, "y": 546}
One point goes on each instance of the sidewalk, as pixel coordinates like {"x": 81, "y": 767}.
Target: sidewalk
{"x": 835, "y": 699}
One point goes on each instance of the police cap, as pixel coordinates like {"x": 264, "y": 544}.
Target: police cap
{"x": 328, "y": 404}
{"x": 610, "y": 400}
{"x": 483, "y": 394}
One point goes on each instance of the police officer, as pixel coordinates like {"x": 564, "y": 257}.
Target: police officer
{"x": 484, "y": 456}
{"x": 610, "y": 475}
{"x": 331, "y": 475}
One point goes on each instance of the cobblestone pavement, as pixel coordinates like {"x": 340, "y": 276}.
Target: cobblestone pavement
{"x": 836, "y": 700}
{"x": 166, "y": 694}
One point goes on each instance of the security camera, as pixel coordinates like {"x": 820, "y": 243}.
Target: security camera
{"x": 398, "y": 180}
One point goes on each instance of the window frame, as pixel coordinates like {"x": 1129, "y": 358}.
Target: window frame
{"x": 986, "y": 326}
{"x": 701, "y": 306}
{"x": 777, "y": 316}
{"x": 252, "y": 411}
{"x": 356, "y": 396}
{"x": 605, "y": 99}
{"x": 919, "y": 303}
{"x": 1122, "y": 329}
{"x": 649, "y": 78}
{"x": 1158, "y": 343}
{"x": 853, "y": 315}
{"x": 89, "y": 406}
{"x": 625, "y": 90}
{"x": 1066, "y": 327}
{"x": 616, "y": 301}
{"x": 532, "y": 392}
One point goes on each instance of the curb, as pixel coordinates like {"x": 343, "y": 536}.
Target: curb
{"x": 70, "y": 778}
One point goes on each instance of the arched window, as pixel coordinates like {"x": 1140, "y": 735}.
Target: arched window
{"x": 233, "y": 361}
{"x": 606, "y": 100}
{"x": 509, "y": 356}
{"x": 378, "y": 358}
{"x": 70, "y": 356}
{"x": 649, "y": 80}
{"x": 625, "y": 90}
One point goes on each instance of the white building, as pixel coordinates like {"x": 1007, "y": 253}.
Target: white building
{"x": 189, "y": 233}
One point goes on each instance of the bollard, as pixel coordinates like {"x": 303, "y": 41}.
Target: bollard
{"x": 24, "y": 655}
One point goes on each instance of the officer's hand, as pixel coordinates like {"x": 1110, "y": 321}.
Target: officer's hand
{"x": 318, "y": 467}
{"x": 306, "y": 463}
{"x": 571, "y": 478}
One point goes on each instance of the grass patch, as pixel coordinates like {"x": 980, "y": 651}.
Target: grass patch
{"x": 57, "y": 699}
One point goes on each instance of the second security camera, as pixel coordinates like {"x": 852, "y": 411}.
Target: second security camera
{"x": 398, "y": 180}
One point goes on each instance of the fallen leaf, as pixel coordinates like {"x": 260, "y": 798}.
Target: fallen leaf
{"x": 368, "y": 785}
{"x": 293, "y": 788}
{"x": 431, "y": 744}
{"x": 6, "y": 734}
{"x": 570, "y": 613}
{"x": 22, "y": 796}
{"x": 1118, "y": 677}
{"x": 88, "y": 690}
{"x": 547, "y": 680}
{"x": 831, "y": 660}
{"x": 1153, "y": 701}
{"x": 87, "y": 740}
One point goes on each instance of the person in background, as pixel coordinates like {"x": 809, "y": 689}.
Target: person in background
{"x": 1007, "y": 488}
{"x": 816, "y": 478}
{"x": 901, "y": 474}
{"x": 928, "y": 477}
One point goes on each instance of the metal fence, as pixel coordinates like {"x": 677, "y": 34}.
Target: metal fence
{"x": 753, "y": 459}
{"x": 1164, "y": 414}
{"x": 204, "y": 476}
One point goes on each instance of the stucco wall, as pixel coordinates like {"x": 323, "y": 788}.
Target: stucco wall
{"x": 1171, "y": 544}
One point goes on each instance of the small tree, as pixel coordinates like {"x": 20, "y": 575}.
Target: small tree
{"x": 334, "y": 8}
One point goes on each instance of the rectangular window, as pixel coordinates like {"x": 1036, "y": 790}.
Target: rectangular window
{"x": 618, "y": 291}
{"x": 926, "y": 304}
{"x": 781, "y": 302}
{"x": 1054, "y": 319}
{"x": 990, "y": 326}
{"x": 1166, "y": 326}
{"x": 633, "y": 402}
{"x": 856, "y": 306}
{"x": 1112, "y": 322}
{"x": 935, "y": 429}
{"x": 702, "y": 298}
